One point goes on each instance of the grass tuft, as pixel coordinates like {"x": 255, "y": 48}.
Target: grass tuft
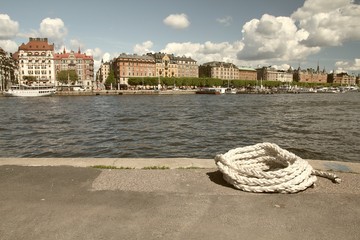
{"x": 110, "y": 167}
{"x": 155, "y": 168}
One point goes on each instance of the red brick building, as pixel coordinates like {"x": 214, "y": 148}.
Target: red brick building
{"x": 126, "y": 66}
{"x": 80, "y": 62}
{"x": 310, "y": 75}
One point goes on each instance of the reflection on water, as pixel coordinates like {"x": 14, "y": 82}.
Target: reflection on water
{"x": 317, "y": 126}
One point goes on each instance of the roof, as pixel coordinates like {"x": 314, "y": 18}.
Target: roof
{"x": 72, "y": 54}
{"x": 135, "y": 56}
{"x": 37, "y": 44}
{"x": 218, "y": 64}
{"x": 184, "y": 58}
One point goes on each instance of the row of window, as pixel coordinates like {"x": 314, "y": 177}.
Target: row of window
{"x": 37, "y": 67}
{"x": 36, "y": 61}
{"x": 37, "y": 72}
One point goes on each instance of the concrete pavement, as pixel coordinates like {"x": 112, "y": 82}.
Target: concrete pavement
{"x": 39, "y": 200}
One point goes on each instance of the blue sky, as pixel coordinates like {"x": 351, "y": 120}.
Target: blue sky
{"x": 280, "y": 33}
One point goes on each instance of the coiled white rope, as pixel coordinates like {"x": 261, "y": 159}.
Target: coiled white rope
{"x": 265, "y": 167}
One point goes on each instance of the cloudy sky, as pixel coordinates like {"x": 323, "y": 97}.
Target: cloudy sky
{"x": 280, "y": 33}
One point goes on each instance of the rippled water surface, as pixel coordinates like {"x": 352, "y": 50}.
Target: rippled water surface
{"x": 316, "y": 126}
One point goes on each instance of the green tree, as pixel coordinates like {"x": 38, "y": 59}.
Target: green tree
{"x": 67, "y": 76}
{"x": 110, "y": 80}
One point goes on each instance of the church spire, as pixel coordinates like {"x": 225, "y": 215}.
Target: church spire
{"x": 318, "y": 68}
{"x": 79, "y": 50}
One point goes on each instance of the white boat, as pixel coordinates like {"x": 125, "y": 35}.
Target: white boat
{"x": 215, "y": 91}
{"x": 30, "y": 91}
{"x": 231, "y": 91}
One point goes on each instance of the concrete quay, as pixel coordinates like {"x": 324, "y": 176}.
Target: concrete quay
{"x": 123, "y": 92}
{"x": 68, "y": 199}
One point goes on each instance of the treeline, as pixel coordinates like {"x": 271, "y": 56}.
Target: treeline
{"x": 210, "y": 82}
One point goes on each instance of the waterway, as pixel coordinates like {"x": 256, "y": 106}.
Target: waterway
{"x": 313, "y": 126}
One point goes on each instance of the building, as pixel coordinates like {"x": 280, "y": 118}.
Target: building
{"x": 342, "y": 79}
{"x": 8, "y": 70}
{"x": 166, "y": 64}
{"x": 187, "y": 67}
{"x": 80, "y": 62}
{"x": 103, "y": 72}
{"x": 220, "y": 70}
{"x": 35, "y": 62}
{"x": 310, "y": 75}
{"x": 272, "y": 74}
{"x": 126, "y": 66}
{"x": 246, "y": 73}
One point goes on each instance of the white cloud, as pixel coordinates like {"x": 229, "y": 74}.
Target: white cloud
{"x": 96, "y": 53}
{"x": 54, "y": 29}
{"x": 317, "y": 24}
{"x": 177, "y": 21}
{"x": 274, "y": 38}
{"x": 8, "y": 27}
{"x": 143, "y": 48}
{"x": 226, "y": 21}
{"x": 348, "y": 66}
{"x": 283, "y": 67}
{"x": 329, "y": 23}
{"x": 9, "y": 46}
{"x": 76, "y": 44}
{"x": 106, "y": 57}
{"x": 206, "y": 52}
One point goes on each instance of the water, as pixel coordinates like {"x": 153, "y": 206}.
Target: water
{"x": 313, "y": 126}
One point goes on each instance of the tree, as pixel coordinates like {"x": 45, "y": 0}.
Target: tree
{"x": 110, "y": 80}
{"x": 67, "y": 76}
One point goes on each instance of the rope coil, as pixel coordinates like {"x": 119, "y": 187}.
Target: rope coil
{"x": 265, "y": 167}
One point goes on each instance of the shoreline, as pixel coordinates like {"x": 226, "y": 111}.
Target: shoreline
{"x": 169, "y": 163}
{"x": 165, "y": 92}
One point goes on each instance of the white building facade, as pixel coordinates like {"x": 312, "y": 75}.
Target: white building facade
{"x": 36, "y": 62}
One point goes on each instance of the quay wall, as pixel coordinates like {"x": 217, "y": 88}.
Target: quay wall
{"x": 121, "y": 92}
{"x": 171, "y": 163}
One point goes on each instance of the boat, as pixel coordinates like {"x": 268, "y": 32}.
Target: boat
{"x": 328, "y": 90}
{"x": 231, "y": 91}
{"x": 30, "y": 91}
{"x": 215, "y": 91}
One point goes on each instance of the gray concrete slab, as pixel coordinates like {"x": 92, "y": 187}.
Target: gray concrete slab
{"x": 63, "y": 202}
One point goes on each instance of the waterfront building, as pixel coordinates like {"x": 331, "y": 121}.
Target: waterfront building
{"x": 103, "y": 72}
{"x": 272, "y": 74}
{"x": 342, "y": 79}
{"x": 187, "y": 67}
{"x": 8, "y": 70}
{"x": 246, "y": 73}
{"x": 126, "y": 66}
{"x": 221, "y": 70}
{"x": 310, "y": 75}
{"x": 35, "y": 62}
{"x": 166, "y": 64}
{"x": 80, "y": 62}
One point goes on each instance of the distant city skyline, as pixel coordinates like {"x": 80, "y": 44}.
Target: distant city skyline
{"x": 279, "y": 33}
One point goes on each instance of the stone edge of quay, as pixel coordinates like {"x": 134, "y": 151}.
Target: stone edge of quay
{"x": 171, "y": 163}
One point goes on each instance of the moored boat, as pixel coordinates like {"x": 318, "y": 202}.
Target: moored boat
{"x": 215, "y": 91}
{"x": 30, "y": 91}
